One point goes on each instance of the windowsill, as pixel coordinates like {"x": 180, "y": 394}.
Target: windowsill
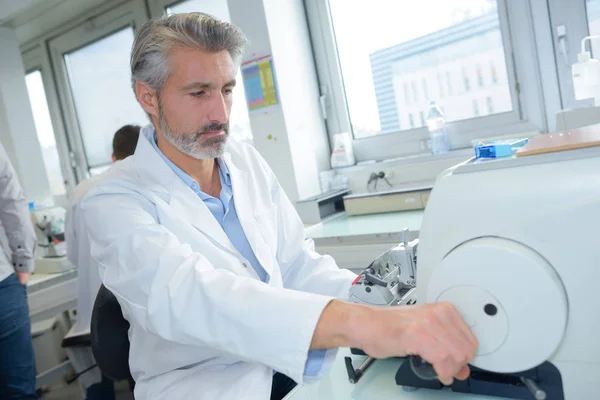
{"x": 413, "y": 159}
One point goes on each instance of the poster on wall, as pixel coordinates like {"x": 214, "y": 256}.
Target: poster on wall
{"x": 259, "y": 83}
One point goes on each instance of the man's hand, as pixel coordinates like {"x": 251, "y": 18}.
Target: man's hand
{"x": 23, "y": 277}
{"x": 436, "y": 332}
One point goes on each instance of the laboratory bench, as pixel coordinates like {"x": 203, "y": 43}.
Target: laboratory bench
{"x": 49, "y": 295}
{"x": 356, "y": 240}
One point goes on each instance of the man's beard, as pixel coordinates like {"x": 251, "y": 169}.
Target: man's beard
{"x": 192, "y": 143}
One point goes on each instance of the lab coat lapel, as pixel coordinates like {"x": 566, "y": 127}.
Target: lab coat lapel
{"x": 245, "y": 207}
{"x": 165, "y": 183}
{"x": 191, "y": 208}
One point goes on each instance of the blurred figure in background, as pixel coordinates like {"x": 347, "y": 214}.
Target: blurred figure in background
{"x": 88, "y": 279}
{"x": 17, "y": 362}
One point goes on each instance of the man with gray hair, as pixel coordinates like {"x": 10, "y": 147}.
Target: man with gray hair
{"x": 207, "y": 256}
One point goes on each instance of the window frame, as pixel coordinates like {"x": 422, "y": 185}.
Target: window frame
{"x": 36, "y": 59}
{"x": 573, "y": 15}
{"x": 523, "y": 73}
{"x": 131, "y": 14}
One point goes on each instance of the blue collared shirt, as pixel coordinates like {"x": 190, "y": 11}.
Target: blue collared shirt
{"x": 223, "y": 209}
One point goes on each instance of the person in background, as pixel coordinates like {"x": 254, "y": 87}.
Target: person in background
{"x": 88, "y": 279}
{"x": 17, "y": 362}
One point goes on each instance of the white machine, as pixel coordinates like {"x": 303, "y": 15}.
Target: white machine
{"x": 513, "y": 244}
{"x": 51, "y": 252}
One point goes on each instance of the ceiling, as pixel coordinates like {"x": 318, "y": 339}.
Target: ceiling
{"x": 33, "y": 18}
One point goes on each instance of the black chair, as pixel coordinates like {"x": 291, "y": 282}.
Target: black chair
{"x": 110, "y": 343}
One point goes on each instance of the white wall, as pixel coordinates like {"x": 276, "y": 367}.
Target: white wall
{"x": 301, "y": 151}
{"x": 289, "y": 35}
{"x": 17, "y": 129}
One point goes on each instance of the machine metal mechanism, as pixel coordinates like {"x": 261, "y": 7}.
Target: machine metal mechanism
{"x": 49, "y": 226}
{"x": 388, "y": 281}
{"x": 51, "y": 250}
{"x": 492, "y": 244}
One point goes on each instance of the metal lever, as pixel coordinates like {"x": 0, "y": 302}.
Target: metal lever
{"x": 538, "y": 394}
{"x": 355, "y": 375}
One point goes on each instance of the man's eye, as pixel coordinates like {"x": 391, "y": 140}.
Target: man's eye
{"x": 228, "y": 91}
{"x": 198, "y": 94}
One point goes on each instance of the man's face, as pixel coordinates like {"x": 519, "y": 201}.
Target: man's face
{"x": 195, "y": 102}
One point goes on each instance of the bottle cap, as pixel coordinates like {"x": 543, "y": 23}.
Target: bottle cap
{"x": 585, "y": 56}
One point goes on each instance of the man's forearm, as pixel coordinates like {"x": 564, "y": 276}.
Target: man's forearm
{"x": 436, "y": 332}
{"x": 340, "y": 325}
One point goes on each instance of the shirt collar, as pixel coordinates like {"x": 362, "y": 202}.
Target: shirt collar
{"x": 223, "y": 170}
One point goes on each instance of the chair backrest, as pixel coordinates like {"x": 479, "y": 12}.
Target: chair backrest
{"x": 110, "y": 342}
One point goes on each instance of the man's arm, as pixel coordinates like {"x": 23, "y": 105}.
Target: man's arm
{"x": 176, "y": 293}
{"x": 14, "y": 214}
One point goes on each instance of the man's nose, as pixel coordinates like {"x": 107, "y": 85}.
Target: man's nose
{"x": 219, "y": 110}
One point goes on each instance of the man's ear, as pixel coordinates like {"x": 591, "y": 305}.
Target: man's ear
{"x": 113, "y": 157}
{"x": 147, "y": 98}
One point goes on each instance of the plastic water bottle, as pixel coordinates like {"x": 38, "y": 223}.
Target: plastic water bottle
{"x": 436, "y": 123}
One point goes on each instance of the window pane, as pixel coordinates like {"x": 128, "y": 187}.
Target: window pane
{"x": 593, "y": 13}
{"x": 239, "y": 120}
{"x": 448, "y": 51}
{"x": 100, "y": 82}
{"x": 45, "y": 133}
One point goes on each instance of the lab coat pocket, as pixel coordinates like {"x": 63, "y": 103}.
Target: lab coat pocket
{"x": 267, "y": 224}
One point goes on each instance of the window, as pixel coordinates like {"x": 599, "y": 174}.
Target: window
{"x": 411, "y": 121}
{"x": 466, "y": 80}
{"x": 475, "y": 108}
{"x": 413, "y": 85}
{"x": 371, "y": 62}
{"x": 449, "y": 81}
{"x": 490, "y": 104}
{"x": 440, "y": 85}
{"x": 422, "y": 115}
{"x": 406, "y": 93}
{"x": 239, "y": 120}
{"x": 45, "y": 132}
{"x": 493, "y": 73}
{"x": 593, "y": 16}
{"x": 103, "y": 109}
{"x": 479, "y": 76}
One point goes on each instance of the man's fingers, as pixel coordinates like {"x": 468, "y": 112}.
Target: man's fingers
{"x": 463, "y": 374}
{"x": 456, "y": 334}
{"x": 453, "y": 339}
{"x": 449, "y": 350}
{"x": 23, "y": 277}
{"x": 444, "y": 364}
{"x": 459, "y": 322}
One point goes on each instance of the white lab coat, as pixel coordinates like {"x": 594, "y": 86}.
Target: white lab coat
{"x": 88, "y": 280}
{"x": 203, "y": 326}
